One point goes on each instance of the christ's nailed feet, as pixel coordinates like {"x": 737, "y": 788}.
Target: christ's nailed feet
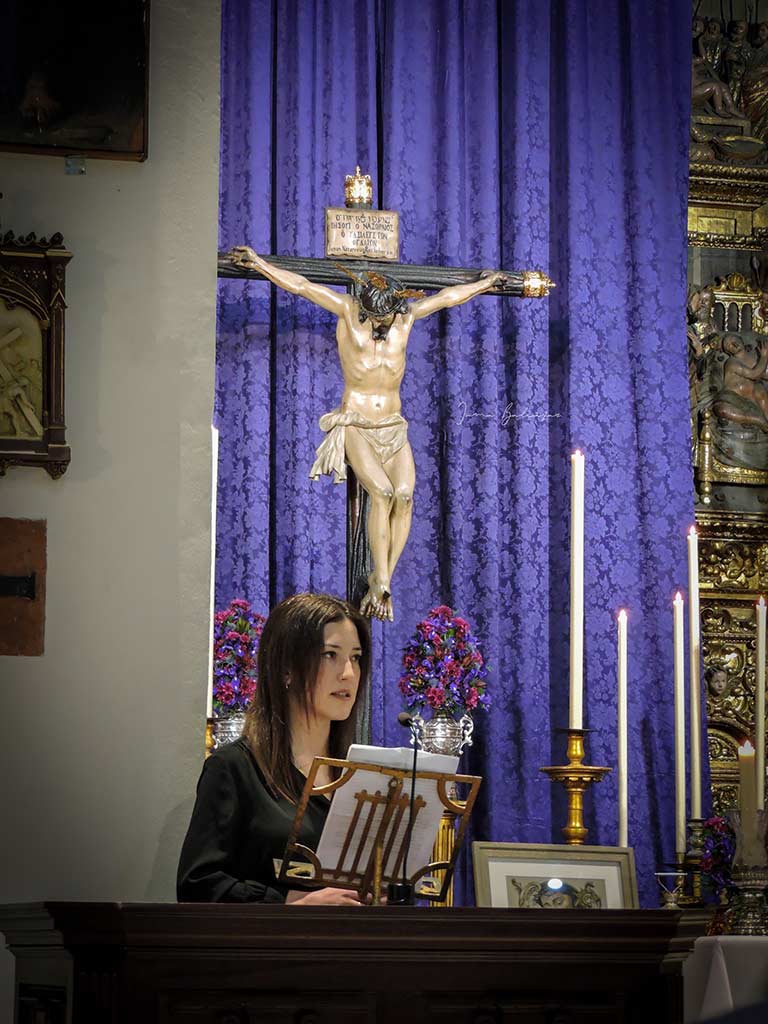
{"x": 377, "y": 603}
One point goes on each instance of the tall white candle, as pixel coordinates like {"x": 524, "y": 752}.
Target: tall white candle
{"x": 212, "y": 588}
{"x": 751, "y": 848}
{"x": 622, "y": 769}
{"x": 760, "y": 704}
{"x": 575, "y": 718}
{"x": 694, "y": 644}
{"x": 747, "y": 784}
{"x": 679, "y": 728}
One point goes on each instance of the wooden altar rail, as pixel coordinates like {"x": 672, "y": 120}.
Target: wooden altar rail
{"x": 241, "y": 964}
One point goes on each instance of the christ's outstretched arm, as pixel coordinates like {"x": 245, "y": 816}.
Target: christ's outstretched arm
{"x": 455, "y": 295}
{"x": 327, "y": 298}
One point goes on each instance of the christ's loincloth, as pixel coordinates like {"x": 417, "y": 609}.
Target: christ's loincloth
{"x": 386, "y": 437}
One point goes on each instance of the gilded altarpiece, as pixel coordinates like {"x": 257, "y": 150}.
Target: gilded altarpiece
{"x": 733, "y": 565}
{"x": 727, "y": 326}
{"x": 727, "y": 342}
{"x": 730, "y": 456}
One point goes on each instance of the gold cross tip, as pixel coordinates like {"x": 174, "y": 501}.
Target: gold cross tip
{"x": 536, "y": 284}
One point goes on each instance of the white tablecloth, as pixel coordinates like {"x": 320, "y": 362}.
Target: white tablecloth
{"x": 724, "y": 973}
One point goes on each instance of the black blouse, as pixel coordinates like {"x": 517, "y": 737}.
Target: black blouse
{"x": 237, "y": 828}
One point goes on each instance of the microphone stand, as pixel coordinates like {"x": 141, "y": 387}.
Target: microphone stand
{"x": 401, "y": 894}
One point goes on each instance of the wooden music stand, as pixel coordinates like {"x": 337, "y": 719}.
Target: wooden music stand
{"x": 367, "y": 865}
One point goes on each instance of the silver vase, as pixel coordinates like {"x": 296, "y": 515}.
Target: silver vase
{"x": 442, "y": 734}
{"x": 227, "y": 728}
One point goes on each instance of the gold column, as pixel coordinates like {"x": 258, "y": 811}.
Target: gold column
{"x": 443, "y": 850}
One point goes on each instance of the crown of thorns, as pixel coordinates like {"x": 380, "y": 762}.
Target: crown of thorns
{"x": 381, "y": 283}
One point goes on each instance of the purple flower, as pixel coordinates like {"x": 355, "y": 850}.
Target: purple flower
{"x": 718, "y": 848}
{"x": 236, "y": 633}
{"x": 443, "y": 666}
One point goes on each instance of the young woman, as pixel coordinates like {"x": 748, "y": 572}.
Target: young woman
{"x": 314, "y": 659}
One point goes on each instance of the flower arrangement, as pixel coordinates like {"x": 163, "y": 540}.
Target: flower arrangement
{"x": 443, "y": 667}
{"x": 236, "y": 633}
{"x": 718, "y": 848}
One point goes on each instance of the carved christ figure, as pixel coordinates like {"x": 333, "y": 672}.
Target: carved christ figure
{"x": 367, "y": 430}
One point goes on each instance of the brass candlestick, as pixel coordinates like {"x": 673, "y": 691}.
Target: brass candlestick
{"x": 692, "y": 862}
{"x": 575, "y": 776}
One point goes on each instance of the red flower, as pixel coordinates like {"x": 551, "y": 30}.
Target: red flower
{"x": 247, "y": 688}
{"x": 471, "y": 698}
{"x": 452, "y": 671}
{"x": 225, "y": 693}
{"x": 435, "y": 696}
{"x": 442, "y": 611}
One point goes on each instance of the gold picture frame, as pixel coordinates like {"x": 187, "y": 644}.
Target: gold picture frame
{"x": 518, "y": 875}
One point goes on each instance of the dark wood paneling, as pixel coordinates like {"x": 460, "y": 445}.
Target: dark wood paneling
{"x": 235, "y": 964}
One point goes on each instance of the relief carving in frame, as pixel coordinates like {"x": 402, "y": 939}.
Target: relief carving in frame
{"x": 32, "y": 427}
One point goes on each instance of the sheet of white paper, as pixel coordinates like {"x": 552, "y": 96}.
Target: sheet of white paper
{"x": 345, "y": 803}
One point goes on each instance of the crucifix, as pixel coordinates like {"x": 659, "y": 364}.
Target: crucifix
{"x": 366, "y": 440}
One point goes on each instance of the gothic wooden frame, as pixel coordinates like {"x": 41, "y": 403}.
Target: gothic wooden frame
{"x": 32, "y": 276}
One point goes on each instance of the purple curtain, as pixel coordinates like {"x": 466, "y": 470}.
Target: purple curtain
{"x": 515, "y": 136}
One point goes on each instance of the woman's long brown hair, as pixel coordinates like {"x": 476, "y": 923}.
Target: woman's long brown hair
{"x": 290, "y": 649}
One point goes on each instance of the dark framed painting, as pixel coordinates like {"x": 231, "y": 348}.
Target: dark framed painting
{"x": 74, "y": 77}
{"x": 32, "y": 427}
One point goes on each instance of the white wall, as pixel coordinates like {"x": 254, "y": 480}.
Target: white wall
{"x": 101, "y": 739}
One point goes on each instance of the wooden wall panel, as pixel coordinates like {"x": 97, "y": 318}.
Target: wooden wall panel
{"x": 22, "y": 552}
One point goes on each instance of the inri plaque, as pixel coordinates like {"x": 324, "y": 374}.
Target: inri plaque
{"x": 365, "y": 234}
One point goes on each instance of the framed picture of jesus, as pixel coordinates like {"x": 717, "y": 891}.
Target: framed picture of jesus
{"x": 554, "y": 877}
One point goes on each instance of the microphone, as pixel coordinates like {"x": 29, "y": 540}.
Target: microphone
{"x": 401, "y": 894}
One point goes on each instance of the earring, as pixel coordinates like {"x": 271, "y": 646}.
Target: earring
{"x": 287, "y": 682}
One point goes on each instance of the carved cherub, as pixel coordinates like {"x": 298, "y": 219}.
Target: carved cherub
{"x": 742, "y": 376}
{"x": 716, "y": 678}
